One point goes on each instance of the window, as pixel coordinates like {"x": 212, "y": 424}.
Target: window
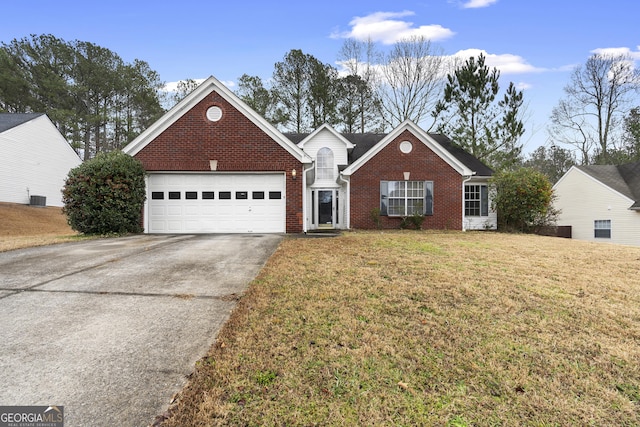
{"x": 476, "y": 200}
{"x": 174, "y": 195}
{"x": 242, "y": 195}
{"x": 257, "y": 195}
{"x": 191, "y": 195}
{"x": 404, "y": 198}
{"x": 602, "y": 228}
{"x": 208, "y": 195}
{"x": 275, "y": 195}
{"x": 157, "y": 195}
{"x": 224, "y": 195}
{"x": 324, "y": 163}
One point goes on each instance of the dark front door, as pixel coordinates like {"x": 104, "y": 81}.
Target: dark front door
{"x": 325, "y": 207}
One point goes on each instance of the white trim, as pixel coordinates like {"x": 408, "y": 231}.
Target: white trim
{"x": 465, "y": 180}
{"x": 347, "y": 202}
{"x": 305, "y": 208}
{"x": 205, "y": 88}
{"x": 423, "y": 136}
{"x": 309, "y": 137}
{"x": 276, "y": 175}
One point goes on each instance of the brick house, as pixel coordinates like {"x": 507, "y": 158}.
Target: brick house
{"x": 215, "y": 166}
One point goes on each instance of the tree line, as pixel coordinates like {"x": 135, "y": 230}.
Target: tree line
{"x": 375, "y": 92}
{"x": 98, "y": 101}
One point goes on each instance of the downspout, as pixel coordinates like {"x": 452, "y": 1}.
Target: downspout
{"x": 466, "y": 178}
{"x": 348, "y": 201}
{"x": 304, "y": 198}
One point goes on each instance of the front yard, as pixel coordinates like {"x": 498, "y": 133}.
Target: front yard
{"x": 428, "y": 328}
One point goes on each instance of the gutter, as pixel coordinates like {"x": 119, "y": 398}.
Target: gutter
{"x": 304, "y": 198}
{"x": 348, "y": 203}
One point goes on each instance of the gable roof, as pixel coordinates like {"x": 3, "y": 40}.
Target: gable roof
{"x": 198, "y": 94}
{"x": 365, "y": 142}
{"x": 11, "y": 120}
{"x": 625, "y": 179}
{"x": 328, "y": 128}
{"x": 439, "y": 144}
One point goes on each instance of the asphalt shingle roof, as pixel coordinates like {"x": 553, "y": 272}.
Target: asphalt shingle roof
{"x": 11, "y": 120}
{"x": 365, "y": 141}
{"x": 625, "y": 179}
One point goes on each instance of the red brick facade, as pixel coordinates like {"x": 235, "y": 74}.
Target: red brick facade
{"x": 423, "y": 165}
{"x": 234, "y": 141}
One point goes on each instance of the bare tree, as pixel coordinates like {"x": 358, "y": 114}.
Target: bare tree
{"x": 359, "y": 101}
{"x": 596, "y": 99}
{"x": 411, "y": 80}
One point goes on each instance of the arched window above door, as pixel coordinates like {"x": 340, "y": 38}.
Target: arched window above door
{"x": 324, "y": 163}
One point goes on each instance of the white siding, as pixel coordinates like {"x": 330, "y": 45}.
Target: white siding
{"x": 325, "y": 138}
{"x": 489, "y": 222}
{"x": 34, "y": 160}
{"x": 583, "y": 199}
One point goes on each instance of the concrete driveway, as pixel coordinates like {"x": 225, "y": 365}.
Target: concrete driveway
{"x": 110, "y": 328}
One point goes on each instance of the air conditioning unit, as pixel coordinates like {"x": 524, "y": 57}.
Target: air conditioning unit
{"x": 38, "y": 201}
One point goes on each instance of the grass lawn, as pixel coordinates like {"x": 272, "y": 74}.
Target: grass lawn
{"x": 428, "y": 328}
{"x": 23, "y": 226}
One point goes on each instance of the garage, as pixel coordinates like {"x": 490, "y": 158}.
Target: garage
{"x": 216, "y": 202}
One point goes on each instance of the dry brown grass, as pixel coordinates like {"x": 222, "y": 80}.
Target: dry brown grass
{"x": 428, "y": 328}
{"x": 23, "y": 226}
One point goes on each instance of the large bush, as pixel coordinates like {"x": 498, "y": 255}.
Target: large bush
{"x": 105, "y": 195}
{"x": 523, "y": 199}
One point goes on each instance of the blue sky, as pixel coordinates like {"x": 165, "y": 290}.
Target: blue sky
{"x": 535, "y": 44}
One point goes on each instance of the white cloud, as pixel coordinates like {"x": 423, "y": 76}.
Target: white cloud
{"x": 506, "y": 63}
{"x": 475, "y": 4}
{"x": 385, "y": 27}
{"x": 523, "y": 85}
{"x": 619, "y": 51}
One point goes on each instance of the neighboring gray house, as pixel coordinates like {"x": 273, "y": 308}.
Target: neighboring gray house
{"x": 601, "y": 203}
{"x": 34, "y": 159}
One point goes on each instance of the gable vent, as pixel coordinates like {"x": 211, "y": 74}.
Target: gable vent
{"x": 214, "y": 114}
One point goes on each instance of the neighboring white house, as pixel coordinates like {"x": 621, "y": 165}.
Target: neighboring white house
{"x": 34, "y": 159}
{"x": 601, "y": 203}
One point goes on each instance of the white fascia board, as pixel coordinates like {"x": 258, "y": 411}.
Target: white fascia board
{"x": 330, "y": 128}
{"x": 423, "y": 136}
{"x": 204, "y": 89}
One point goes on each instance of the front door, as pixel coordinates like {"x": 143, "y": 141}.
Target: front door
{"x": 325, "y": 208}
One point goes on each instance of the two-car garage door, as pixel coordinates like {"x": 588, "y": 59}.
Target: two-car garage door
{"x": 216, "y": 203}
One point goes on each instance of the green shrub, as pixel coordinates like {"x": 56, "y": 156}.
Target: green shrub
{"x": 105, "y": 195}
{"x": 523, "y": 199}
{"x": 375, "y": 216}
{"x": 414, "y": 221}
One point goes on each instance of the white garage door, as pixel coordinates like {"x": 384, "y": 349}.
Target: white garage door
{"x": 216, "y": 203}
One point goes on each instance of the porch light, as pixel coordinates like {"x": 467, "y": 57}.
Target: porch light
{"x": 293, "y": 174}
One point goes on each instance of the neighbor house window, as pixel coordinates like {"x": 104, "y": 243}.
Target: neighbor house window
{"x": 324, "y": 163}
{"x": 476, "y": 200}
{"x": 404, "y": 198}
{"x": 602, "y": 228}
